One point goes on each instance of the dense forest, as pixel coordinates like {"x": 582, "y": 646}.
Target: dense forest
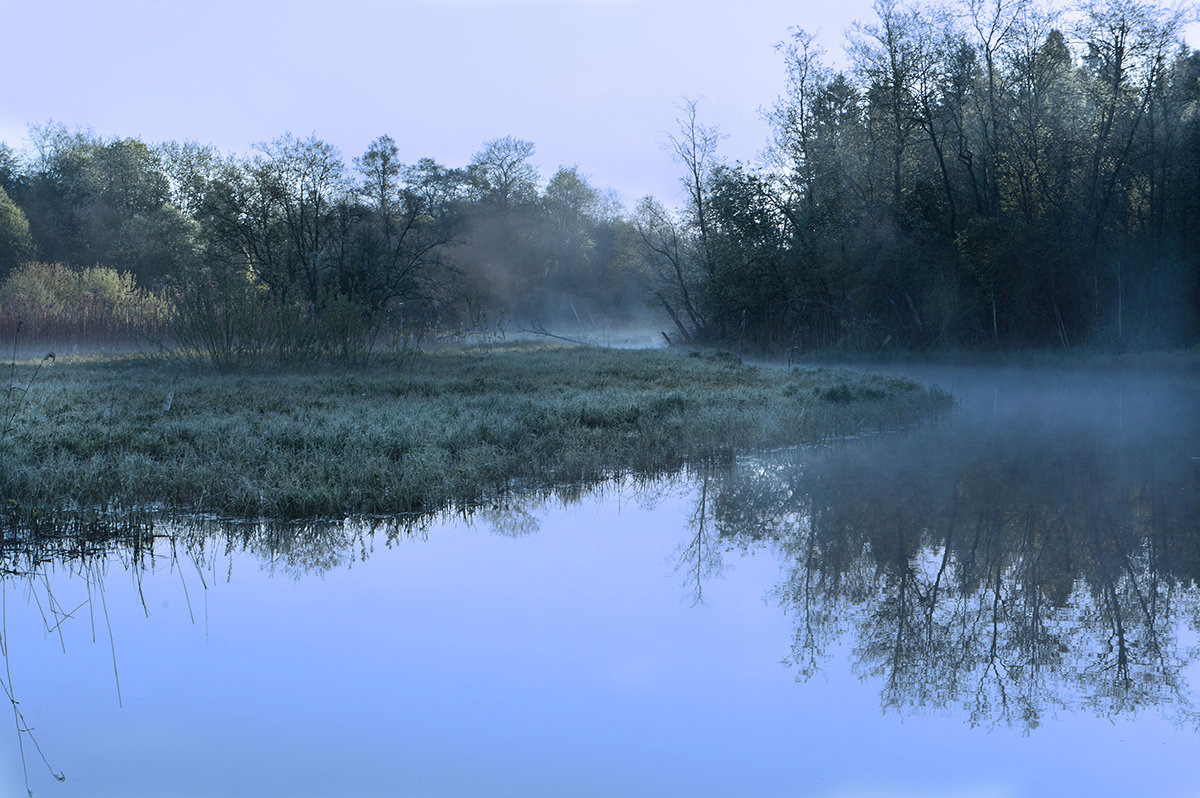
{"x": 1006, "y": 176}
{"x": 998, "y": 175}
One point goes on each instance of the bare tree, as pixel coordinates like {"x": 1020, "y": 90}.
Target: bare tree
{"x": 406, "y": 231}
{"x": 695, "y": 147}
{"x": 502, "y": 175}
{"x": 305, "y": 179}
{"x": 672, "y": 267}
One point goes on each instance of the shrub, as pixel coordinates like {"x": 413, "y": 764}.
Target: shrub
{"x": 234, "y": 319}
{"x": 225, "y": 318}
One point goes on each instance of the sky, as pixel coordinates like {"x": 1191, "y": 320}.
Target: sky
{"x": 595, "y": 84}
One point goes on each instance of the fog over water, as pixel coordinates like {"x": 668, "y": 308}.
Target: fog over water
{"x": 1001, "y": 602}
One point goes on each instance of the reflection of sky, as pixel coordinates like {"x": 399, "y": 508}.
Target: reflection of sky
{"x": 565, "y": 662}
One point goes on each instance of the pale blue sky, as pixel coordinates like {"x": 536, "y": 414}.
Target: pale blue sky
{"x": 593, "y": 83}
{"x": 590, "y": 82}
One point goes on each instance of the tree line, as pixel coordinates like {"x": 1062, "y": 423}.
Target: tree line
{"x": 998, "y": 174}
{"x": 290, "y": 251}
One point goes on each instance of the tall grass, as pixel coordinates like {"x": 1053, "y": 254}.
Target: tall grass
{"x": 141, "y": 434}
{"x": 15, "y": 397}
{"x": 49, "y": 302}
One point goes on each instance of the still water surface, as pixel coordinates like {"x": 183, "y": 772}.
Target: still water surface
{"x": 1001, "y": 603}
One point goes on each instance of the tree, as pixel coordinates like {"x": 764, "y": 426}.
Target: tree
{"x": 439, "y": 189}
{"x": 380, "y": 168}
{"x": 674, "y": 270}
{"x": 932, "y": 88}
{"x": 500, "y": 274}
{"x": 569, "y": 205}
{"x": 242, "y": 230}
{"x": 1045, "y": 106}
{"x": 842, "y": 176}
{"x": 501, "y": 175}
{"x": 758, "y": 293}
{"x": 10, "y": 168}
{"x": 16, "y": 245}
{"x": 794, "y": 117}
{"x": 158, "y": 247}
{"x": 58, "y": 193}
{"x": 994, "y": 23}
{"x": 190, "y": 169}
{"x": 96, "y": 202}
{"x": 302, "y": 180}
{"x": 888, "y": 57}
{"x": 405, "y": 228}
{"x": 694, "y": 147}
{"x": 1129, "y": 48}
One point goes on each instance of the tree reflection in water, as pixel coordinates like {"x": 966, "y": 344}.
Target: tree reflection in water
{"x": 984, "y": 572}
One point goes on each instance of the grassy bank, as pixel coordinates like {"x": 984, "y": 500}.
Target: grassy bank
{"x": 119, "y": 434}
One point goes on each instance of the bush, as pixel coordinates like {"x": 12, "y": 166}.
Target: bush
{"x": 234, "y": 319}
{"x": 227, "y": 319}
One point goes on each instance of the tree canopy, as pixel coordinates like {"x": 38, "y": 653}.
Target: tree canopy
{"x": 995, "y": 175}
{"x": 1004, "y": 177}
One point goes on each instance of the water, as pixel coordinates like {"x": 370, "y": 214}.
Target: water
{"x": 1002, "y": 603}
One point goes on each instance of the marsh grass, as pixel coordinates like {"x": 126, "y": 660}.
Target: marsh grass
{"x": 106, "y": 436}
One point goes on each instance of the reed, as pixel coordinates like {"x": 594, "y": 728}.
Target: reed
{"x": 51, "y": 303}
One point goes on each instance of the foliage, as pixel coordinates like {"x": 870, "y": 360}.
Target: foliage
{"x": 987, "y": 180}
{"x": 96, "y": 304}
{"x": 290, "y": 252}
{"x": 95, "y": 202}
{"x": 1004, "y": 176}
{"x": 16, "y": 246}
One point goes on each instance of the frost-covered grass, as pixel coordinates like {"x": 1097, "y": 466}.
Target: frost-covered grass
{"x": 132, "y": 433}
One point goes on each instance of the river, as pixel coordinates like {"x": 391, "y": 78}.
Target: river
{"x": 1002, "y": 602}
